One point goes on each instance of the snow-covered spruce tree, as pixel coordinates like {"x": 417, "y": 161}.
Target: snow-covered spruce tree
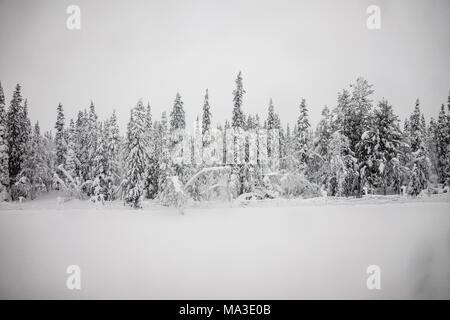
{"x": 202, "y": 150}
{"x": 92, "y": 139}
{"x": 113, "y": 142}
{"x": 431, "y": 142}
{"x": 342, "y": 114}
{"x": 442, "y": 141}
{"x": 49, "y": 159}
{"x": 281, "y": 146}
{"x": 101, "y": 182}
{"x": 28, "y": 130}
{"x": 151, "y": 185}
{"x": 342, "y": 166}
{"x": 206, "y": 121}
{"x": 294, "y": 159}
{"x": 448, "y": 139}
{"x": 43, "y": 172}
{"x": 71, "y": 164}
{"x": 177, "y": 116}
{"x": 250, "y": 122}
{"x": 366, "y": 151}
{"x": 416, "y": 130}
{"x": 319, "y": 161}
{"x": 415, "y": 185}
{"x": 238, "y": 120}
{"x": 361, "y": 110}
{"x": 23, "y": 185}
{"x": 301, "y": 138}
{"x": 136, "y": 156}
{"x": 83, "y": 137}
{"x": 35, "y": 167}
{"x": 257, "y": 123}
{"x": 272, "y": 117}
{"x": 405, "y": 156}
{"x": 197, "y": 143}
{"x": 177, "y": 126}
{"x": 17, "y": 136}
{"x": 360, "y": 122}
{"x": 148, "y": 120}
{"x": 253, "y": 122}
{"x": 323, "y": 133}
{"x": 420, "y": 162}
{"x": 388, "y": 148}
{"x": 423, "y": 126}
{"x": 286, "y": 161}
{"x": 273, "y": 123}
{"x": 163, "y": 152}
{"x": 60, "y": 143}
{"x": 4, "y": 170}
{"x": 156, "y": 152}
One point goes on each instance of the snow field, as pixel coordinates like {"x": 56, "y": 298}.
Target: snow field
{"x": 308, "y": 250}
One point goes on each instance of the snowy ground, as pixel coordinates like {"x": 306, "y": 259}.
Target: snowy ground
{"x": 280, "y": 249}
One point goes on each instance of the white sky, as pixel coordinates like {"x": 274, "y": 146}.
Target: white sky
{"x": 128, "y": 50}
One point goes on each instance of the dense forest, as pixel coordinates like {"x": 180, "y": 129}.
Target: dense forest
{"x": 358, "y": 147}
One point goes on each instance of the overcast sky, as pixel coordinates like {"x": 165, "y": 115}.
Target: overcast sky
{"x": 286, "y": 49}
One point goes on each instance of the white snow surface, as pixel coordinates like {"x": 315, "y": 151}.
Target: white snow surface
{"x": 274, "y": 249}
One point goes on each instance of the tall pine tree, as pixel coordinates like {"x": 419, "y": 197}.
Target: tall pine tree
{"x": 442, "y": 142}
{"x": 206, "y": 121}
{"x": 137, "y": 156}
{"x": 238, "y": 120}
{"x": 420, "y": 162}
{"x": 4, "y": 170}
{"x": 177, "y": 116}
{"x": 387, "y": 150}
{"x": 61, "y": 145}
{"x": 17, "y": 135}
{"x": 92, "y": 139}
{"x": 301, "y": 137}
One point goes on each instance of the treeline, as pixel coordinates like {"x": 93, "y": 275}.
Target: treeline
{"x": 357, "y": 147}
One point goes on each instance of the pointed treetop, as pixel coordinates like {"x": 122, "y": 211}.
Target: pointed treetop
{"x": 417, "y": 104}
{"x": 177, "y": 116}
{"x": 17, "y": 97}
